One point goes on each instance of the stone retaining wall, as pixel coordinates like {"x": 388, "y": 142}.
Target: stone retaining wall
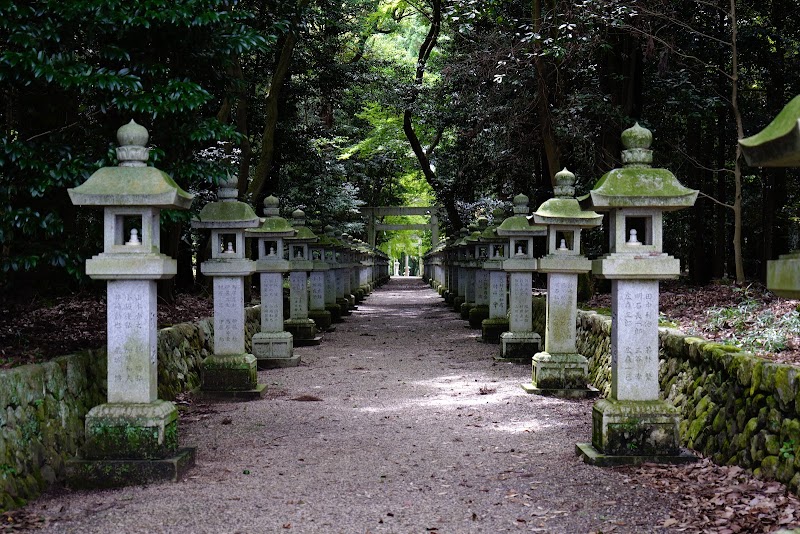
{"x": 42, "y": 406}
{"x": 736, "y": 408}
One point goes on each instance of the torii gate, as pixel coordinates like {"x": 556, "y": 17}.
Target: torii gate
{"x": 373, "y": 212}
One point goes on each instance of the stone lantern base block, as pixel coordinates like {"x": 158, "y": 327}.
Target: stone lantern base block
{"x": 273, "y": 350}
{"x": 632, "y": 432}
{"x": 336, "y": 312}
{"x": 592, "y": 456}
{"x": 129, "y": 444}
{"x": 344, "y": 305}
{"x": 492, "y": 329}
{"x": 477, "y": 315}
{"x": 301, "y": 329}
{"x": 102, "y": 474}
{"x": 465, "y": 309}
{"x": 561, "y": 375}
{"x": 230, "y": 376}
{"x": 138, "y": 431}
{"x": 457, "y": 302}
{"x": 519, "y": 347}
{"x": 322, "y": 318}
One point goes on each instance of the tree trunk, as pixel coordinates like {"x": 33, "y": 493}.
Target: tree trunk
{"x": 545, "y": 116}
{"x": 261, "y": 184}
{"x": 737, "y": 167}
{"x": 425, "y": 49}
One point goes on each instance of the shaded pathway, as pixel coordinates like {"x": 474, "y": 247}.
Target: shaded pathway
{"x": 415, "y": 431}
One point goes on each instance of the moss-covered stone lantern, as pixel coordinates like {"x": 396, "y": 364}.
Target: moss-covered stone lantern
{"x": 520, "y": 342}
{"x": 480, "y": 310}
{"x": 778, "y": 145}
{"x": 460, "y": 261}
{"x": 272, "y": 346}
{"x": 132, "y": 438}
{"x": 230, "y": 372}
{"x": 317, "y": 310}
{"x": 560, "y": 370}
{"x": 299, "y": 324}
{"x": 470, "y": 268}
{"x": 633, "y": 425}
{"x": 497, "y": 252}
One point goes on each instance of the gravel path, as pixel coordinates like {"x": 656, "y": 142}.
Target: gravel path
{"x": 416, "y": 431}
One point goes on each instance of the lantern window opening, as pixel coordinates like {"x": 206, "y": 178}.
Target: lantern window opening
{"x": 298, "y": 252}
{"x": 521, "y": 247}
{"x": 316, "y": 254}
{"x": 483, "y": 252}
{"x": 498, "y": 251}
{"x": 564, "y": 241}
{"x": 638, "y": 231}
{"x": 132, "y": 230}
{"x": 269, "y": 248}
{"x": 228, "y": 244}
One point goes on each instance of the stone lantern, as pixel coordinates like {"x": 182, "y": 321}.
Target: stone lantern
{"x": 497, "y": 252}
{"x": 299, "y": 324}
{"x": 230, "y": 372}
{"x": 480, "y": 310}
{"x": 559, "y": 370}
{"x": 778, "y": 145}
{"x": 326, "y": 246}
{"x": 133, "y": 438}
{"x": 340, "y": 262}
{"x": 460, "y": 257}
{"x": 272, "y": 346}
{"x": 633, "y": 424}
{"x": 317, "y": 310}
{"x": 471, "y": 267}
{"x": 520, "y": 342}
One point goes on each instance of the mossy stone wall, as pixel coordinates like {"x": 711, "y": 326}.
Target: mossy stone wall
{"x": 735, "y": 407}
{"x": 43, "y": 406}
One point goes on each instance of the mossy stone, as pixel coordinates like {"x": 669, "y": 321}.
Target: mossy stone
{"x": 769, "y": 467}
{"x": 786, "y": 386}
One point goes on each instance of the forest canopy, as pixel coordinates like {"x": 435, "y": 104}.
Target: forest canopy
{"x": 335, "y": 105}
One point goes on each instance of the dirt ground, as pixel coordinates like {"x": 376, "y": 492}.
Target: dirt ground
{"x": 401, "y": 422}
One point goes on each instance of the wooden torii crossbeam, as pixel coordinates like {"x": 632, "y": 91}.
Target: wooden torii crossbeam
{"x": 374, "y": 212}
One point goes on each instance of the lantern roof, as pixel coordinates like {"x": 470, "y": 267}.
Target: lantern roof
{"x": 564, "y": 208}
{"x": 637, "y": 184}
{"x": 777, "y": 145}
{"x": 132, "y": 182}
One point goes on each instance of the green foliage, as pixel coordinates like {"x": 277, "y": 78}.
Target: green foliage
{"x": 787, "y": 449}
{"x": 71, "y": 74}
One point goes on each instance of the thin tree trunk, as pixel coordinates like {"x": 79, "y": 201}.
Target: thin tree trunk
{"x": 737, "y": 168}
{"x": 260, "y": 184}
{"x": 425, "y": 49}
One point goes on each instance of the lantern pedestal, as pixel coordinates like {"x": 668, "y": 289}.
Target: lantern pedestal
{"x": 129, "y": 443}
{"x": 633, "y": 433}
{"x": 273, "y": 347}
